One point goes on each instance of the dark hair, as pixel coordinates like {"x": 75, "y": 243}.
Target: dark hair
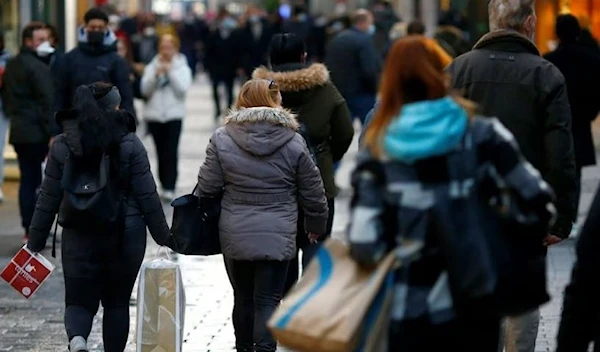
{"x": 30, "y": 28}
{"x": 96, "y": 128}
{"x": 95, "y": 14}
{"x": 286, "y": 48}
{"x": 416, "y": 27}
{"x": 567, "y": 28}
{"x": 53, "y": 33}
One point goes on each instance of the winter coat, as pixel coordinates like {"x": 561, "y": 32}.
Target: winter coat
{"x": 506, "y": 76}
{"x": 354, "y": 62}
{"x": 428, "y": 195}
{"x": 166, "y": 94}
{"x": 223, "y": 56}
{"x": 265, "y": 172}
{"x": 144, "y": 207}
{"x": 89, "y": 64}
{"x": 308, "y": 92}
{"x": 581, "y": 68}
{"x": 27, "y": 95}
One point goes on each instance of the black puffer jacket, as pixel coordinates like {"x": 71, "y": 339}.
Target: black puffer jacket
{"x": 508, "y": 78}
{"x": 143, "y": 206}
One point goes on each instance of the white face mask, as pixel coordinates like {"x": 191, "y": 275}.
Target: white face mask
{"x": 44, "y": 49}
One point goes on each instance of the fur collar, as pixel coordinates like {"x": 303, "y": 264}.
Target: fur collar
{"x": 274, "y": 116}
{"x": 507, "y": 35}
{"x": 303, "y": 78}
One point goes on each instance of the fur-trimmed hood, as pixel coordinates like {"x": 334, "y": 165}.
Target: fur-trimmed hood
{"x": 261, "y": 131}
{"x": 295, "y": 77}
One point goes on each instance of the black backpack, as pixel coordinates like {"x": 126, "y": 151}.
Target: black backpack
{"x": 92, "y": 197}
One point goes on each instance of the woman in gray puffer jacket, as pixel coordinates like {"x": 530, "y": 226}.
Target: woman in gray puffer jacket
{"x": 266, "y": 172}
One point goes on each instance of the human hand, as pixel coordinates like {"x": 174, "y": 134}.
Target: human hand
{"x": 313, "y": 237}
{"x": 552, "y": 240}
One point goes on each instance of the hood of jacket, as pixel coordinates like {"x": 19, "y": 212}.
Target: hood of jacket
{"x": 425, "y": 129}
{"x": 78, "y": 141}
{"x": 295, "y": 77}
{"x": 261, "y": 131}
{"x": 507, "y": 40}
{"x": 109, "y": 45}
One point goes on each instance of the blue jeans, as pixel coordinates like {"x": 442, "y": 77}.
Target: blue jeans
{"x": 360, "y": 105}
{"x": 30, "y": 157}
{"x": 3, "y": 133}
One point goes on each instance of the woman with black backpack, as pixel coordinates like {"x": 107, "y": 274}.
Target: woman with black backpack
{"x": 98, "y": 181}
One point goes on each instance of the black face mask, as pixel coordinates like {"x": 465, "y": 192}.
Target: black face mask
{"x": 95, "y": 38}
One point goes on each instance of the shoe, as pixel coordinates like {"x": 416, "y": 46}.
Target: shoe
{"x": 168, "y": 196}
{"x": 25, "y": 238}
{"x": 78, "y": 344}
{"x": 1, "y": 194}
{"x": 574, "y": 231}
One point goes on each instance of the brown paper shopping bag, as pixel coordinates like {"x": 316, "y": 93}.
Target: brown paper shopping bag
{"x": 338, "y": 306}
{"x": 161, "y": 308}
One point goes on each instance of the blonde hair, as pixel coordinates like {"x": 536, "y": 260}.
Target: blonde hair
{"x": 258, "y": 93}
{"x": 171, "y": 38}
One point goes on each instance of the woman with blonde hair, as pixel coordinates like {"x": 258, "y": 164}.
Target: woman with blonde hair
{"x": 419, "y": 188}
{"x": 165, "y": 83}
{"x": 265, "y": 173}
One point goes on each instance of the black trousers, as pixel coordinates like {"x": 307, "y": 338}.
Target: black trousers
{"x": 99, "y": 268}
{"x": 257, "y": 289}
{"x": 166, "y": 139}
{"x": 308, "y": 249}
{"x": 465, "y": 335}
{"x": 30, "y": 158}
{"x": 228, "y": 81}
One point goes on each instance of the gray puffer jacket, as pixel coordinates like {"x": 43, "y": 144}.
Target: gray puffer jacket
{"x": 266, "y": 171}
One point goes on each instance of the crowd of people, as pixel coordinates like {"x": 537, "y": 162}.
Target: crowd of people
{"x": 472, "y": 189}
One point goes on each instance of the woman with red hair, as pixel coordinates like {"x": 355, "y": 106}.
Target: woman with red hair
{"x": 422, "y": 186}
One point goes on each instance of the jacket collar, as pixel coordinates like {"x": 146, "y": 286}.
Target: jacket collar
{"x": 273, "y": 116}
{"x": 507, "y": 40}
{"x": 295, "y": 77}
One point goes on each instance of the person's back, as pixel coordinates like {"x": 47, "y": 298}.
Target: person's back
{"x": 264, "y": 171}
{"x": 95, "y": 59}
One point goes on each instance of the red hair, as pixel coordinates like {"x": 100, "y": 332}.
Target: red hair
{"x": 414, "y": 71}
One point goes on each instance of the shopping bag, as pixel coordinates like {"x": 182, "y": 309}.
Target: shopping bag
{"x": 338, "y": 306}
{"x": 27, "y": 271}
{"x": 160, "y": 307}
{"x": 195, "y": 226}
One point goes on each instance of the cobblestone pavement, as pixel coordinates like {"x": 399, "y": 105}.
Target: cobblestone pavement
{"x": 36, "y": 325}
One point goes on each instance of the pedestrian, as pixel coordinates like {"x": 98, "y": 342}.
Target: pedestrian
{"x": 27, "y": 96}
{"x": 257, "y": 35}
{"x": 579, "y": 322}
{"x": 505, "y": 66}
{"x": 165, "y": 83}
{"x": 145, "y": 43}
{"x": 581, "y": 67}
{"x": 417, "y": 189}
{"x": 223, "y": 59}
{"x": 302, "y": 25}
{"x": 100, "y": 264}
{"x": 355, "y": 64}
{"x": 95, "y": 59}
{"x": 264, "y": 171}
{"x": 136, "y": 70}
{"x": 384, "y": 18}
{"x": 4, "y": 123}
{"x": 307, "y": 90}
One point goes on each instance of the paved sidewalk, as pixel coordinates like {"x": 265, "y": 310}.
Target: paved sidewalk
{"x": 36, "y": 325}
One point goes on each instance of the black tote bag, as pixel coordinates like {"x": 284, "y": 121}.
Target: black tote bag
{"x": 195, "y": 227}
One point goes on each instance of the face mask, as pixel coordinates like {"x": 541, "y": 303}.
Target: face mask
{"x": 254, "y": 18}
{"x": 44, "y": 49}
{"x": 302, "y": 17}
{"x": 149, "y": 31}
{"x": 228, "y": 23}
{"x": 95, "y": 38}
{"x": 371, "y": 30}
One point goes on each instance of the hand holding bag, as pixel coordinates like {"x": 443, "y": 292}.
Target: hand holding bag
{"x": 195, "y": 228}
{"x": 338, "y": 306}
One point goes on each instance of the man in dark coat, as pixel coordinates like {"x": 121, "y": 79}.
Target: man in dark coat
{"x": 508, "y": 78}
{"x": 257, "y": 36}
{"x": 355, "y": 64}
{"x": 27, "y": 96}
{"x": 94, "y": 60}
{"x": 581, "y": 68}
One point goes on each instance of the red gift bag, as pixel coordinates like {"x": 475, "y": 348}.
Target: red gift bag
{"x": 26, "y": 272}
